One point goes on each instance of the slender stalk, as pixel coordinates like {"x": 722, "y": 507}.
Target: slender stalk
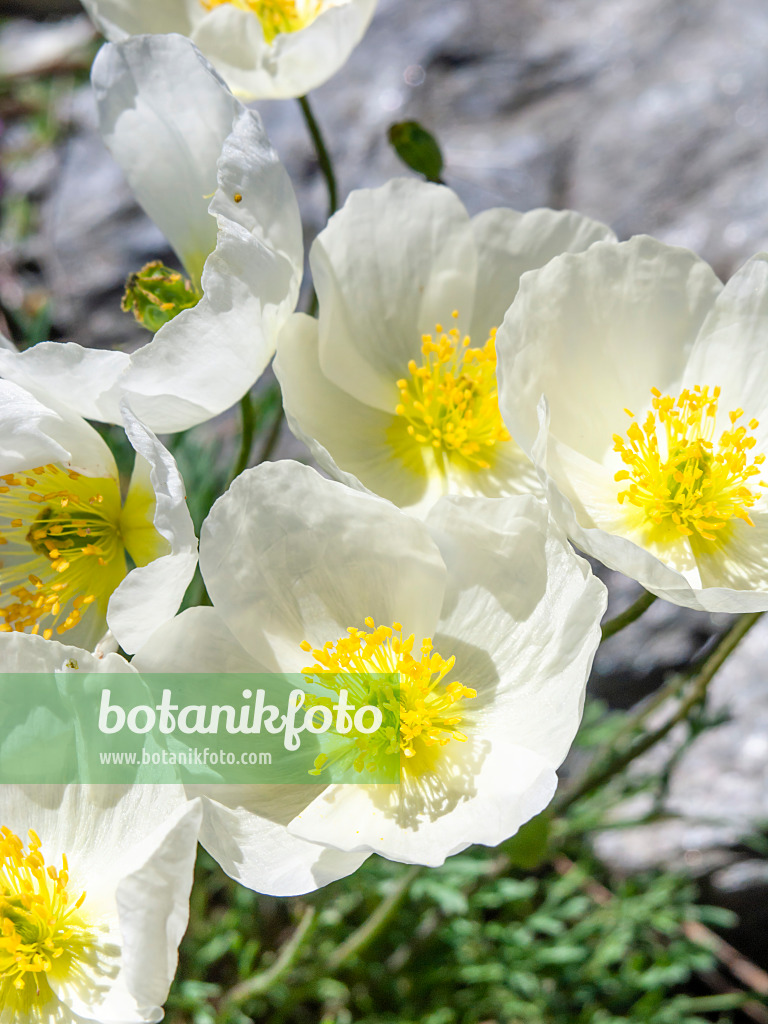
{"x": 697, "y": 692}
{"x": 367, "y": 932}
{"x": 323, "y": 156}
{"x": 265, "y": 979}
{"x": 628, "y": 616}
{"x": 273, "y": 436}
{"x": 246, "y": 440}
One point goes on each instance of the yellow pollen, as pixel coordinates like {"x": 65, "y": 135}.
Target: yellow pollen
{"x": 276, "y": 16}
{"x": 450, "y": 402}
{"x": 43, "y": 930}
{"x": 62, "y": 549}
{"x": 685, "y": 483}
{"x": 423, "y": 711}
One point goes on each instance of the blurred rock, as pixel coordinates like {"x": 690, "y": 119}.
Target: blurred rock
{"x": 27, "y": 48}
{"x": 718, "y": 791}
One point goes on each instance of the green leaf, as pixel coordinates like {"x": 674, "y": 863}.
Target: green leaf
{"x": 417, "y": 148}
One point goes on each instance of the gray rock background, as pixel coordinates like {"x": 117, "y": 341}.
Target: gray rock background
{"x": 651, "y": 115}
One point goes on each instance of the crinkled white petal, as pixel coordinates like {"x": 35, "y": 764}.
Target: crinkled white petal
{"x": 476, "y": 796}
{"x": 296, "y": 557}
{"x": 594, "y": 332}
{"x": 510, "y": 243}
{"x": 66, "y": 374}
{"x": 390, "y": 265}
{"x": 522, "y": 614}
{"x": 151, "y": 593}
{"x": 164, "y": 116}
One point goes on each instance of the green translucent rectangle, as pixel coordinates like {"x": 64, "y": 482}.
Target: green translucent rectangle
{"x": 225, "y": 728}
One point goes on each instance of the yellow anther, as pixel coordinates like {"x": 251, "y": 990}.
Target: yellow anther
{"x": 427, "y": 708}
{"x": 686, "y": 483}
{"x": 66, "y": 543}
{"x": 451, "y": 401}
{"x": 41, "y": 931}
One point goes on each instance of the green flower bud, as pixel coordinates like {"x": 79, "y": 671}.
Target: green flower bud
{"x": 156, "y": 294}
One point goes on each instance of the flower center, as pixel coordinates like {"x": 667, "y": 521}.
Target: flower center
{"x": 684, "y": 482}
{"x": 420, "y": 713}
{"x": 43, "y": 932}
{"x": 451, "y": 401}
{"x": 62, "y": 548}
{"x": 276, "y": 16}
{"x": 156, "y": 294}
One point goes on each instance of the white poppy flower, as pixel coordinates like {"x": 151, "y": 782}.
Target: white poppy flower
{"x": 95, "y": 882}
{"x": 638, "y": 383}
{"x": 181, "y": 138}
{"x": 264, "y": 49}
{"x": 394, "y": 387}
{"x": 484, "y": 610}
{"x": 65, "y": 533}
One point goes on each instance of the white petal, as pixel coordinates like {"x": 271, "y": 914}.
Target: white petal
{"x": 348, "y": 438}
{"x": 35, "y": 434}
{"x": 196, "y": 640}
{"x": 730, "y": 351}
{"x": 108, "y": 833}
{"x": 120, "y": 18}
{"x": 734, "y": 570}
{"x": 390, "y": 265}
{"x": 153, "y": 903}
{"x": 510, "y": 243}
{"x": 522, "y": 615}
{"x": 68, "y": 374}
{"x": 21, "y": 652}
{"x": 295, "y": 63}
{"x": 259, "y": 852}
{"x": 293, "y": 556}
{"x": 424, "y": 825}
{"x": 207, "y": 357}
{"x": 596, "y": 331}
{"x": 164, "y": 116}
{"x": 151, "y": 594}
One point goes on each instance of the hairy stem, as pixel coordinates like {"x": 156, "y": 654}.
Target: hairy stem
{"x": 323, "y": 156}
{"x": 368, "y": 931}
{"x": 697, "y": 692}
{"x": 628, "y": 616}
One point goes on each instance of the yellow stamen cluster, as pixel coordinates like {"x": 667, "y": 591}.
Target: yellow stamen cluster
{"x": 684, "y": 482}
{"x": 43, "y": 932}
{"x": 426, "y": 708}
{"x": 276, "y": 16}
{"x": 60, "y": 548}
{"x": 451, "y": 401}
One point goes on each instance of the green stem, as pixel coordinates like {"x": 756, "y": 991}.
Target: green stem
{"x": 323, "y": 156}
{"x": 273, "y": 437}
{"x": 367, "y": 932}
{"x": 628, "y": 616}
{"x": 265, "y": 979}
{"x": 246, "y": 440}
{"x": 697, "y": 692}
